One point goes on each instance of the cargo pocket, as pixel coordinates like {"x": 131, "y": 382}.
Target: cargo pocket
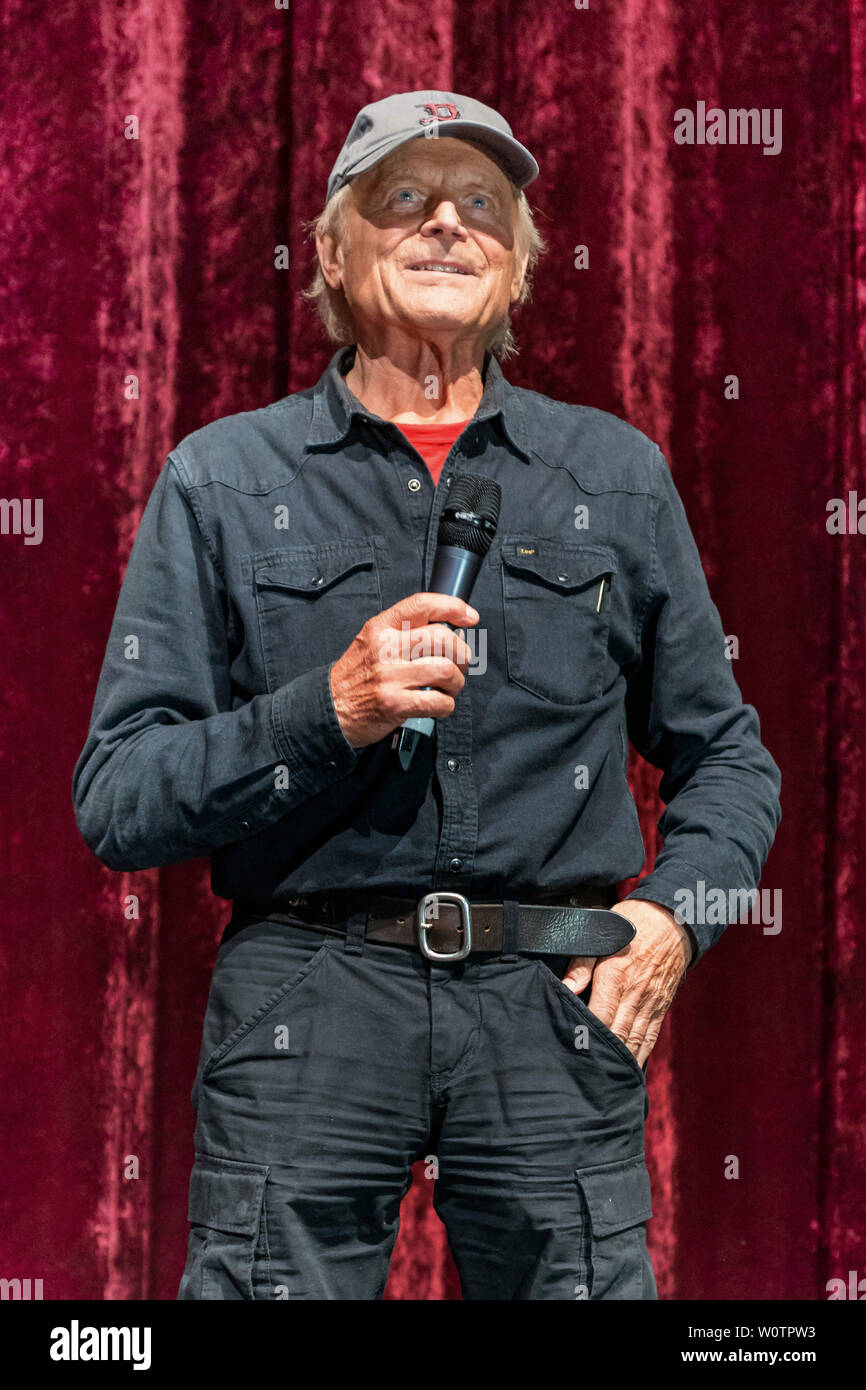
{"x": 557, "y": 603}
{"x": 617, "y": 1201}
{"x": 228, "y": 1251}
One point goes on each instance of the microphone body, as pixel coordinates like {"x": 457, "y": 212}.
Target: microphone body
{"x": 454, "y": 571}
{"x": 471, "y": 516}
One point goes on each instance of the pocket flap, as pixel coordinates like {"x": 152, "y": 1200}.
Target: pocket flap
{"x": 226, "y": 1195}
{"x": 556, "y": 562}
{"x": 311, "y": 570}
{"x": 617, "y": 1195}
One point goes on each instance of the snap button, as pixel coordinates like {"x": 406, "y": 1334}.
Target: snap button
{"x": 317, "y": 579}
{"x": 562, "y": 577}
{"x": 455, "y": 864}
{"x": 414, "y": 484}
{"x": 453, "y": 765}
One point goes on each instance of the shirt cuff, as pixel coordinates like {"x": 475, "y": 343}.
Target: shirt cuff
{"x": 307, "y": 733}
{"x": 675, "y": 885}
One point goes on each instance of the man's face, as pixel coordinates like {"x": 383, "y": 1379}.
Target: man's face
{"x": 429, "y": 243}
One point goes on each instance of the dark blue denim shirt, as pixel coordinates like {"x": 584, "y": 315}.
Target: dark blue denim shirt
{"x": 268, "y": 540}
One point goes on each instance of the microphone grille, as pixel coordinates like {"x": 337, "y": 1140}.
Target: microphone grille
{"x": 471, "y": 513}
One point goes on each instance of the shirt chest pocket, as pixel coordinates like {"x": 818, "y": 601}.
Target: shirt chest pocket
{"x": 312, "y": 601}
{"x": 556, "y": 598}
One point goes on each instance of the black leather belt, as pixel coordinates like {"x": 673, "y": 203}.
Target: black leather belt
{"x": 446, "y": 927}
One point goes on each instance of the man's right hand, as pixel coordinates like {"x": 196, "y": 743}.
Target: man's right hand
{"x": 376, "y": 686}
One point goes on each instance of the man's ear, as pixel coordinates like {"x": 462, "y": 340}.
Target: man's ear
{"x": 330, "y": 259}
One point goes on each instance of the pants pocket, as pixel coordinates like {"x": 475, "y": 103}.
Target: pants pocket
{"x": 232, "y": 983}
{"x": 590, "y": 1021}
{"x": 228, "y": 1237}
{"x": 618, "y": 1202}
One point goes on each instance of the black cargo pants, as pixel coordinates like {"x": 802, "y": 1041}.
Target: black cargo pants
{"x": 329, "y": 1065}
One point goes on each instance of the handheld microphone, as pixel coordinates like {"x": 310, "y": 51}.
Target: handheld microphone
{"x": 466, "y": 530}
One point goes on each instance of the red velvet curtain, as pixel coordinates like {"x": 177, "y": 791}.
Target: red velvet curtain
{"x": 140, "y": 299}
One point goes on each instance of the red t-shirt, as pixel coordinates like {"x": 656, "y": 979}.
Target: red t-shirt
{"x": 433, "y": 442}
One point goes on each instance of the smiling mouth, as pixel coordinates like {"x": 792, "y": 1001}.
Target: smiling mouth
{"x": 441, "y": 267}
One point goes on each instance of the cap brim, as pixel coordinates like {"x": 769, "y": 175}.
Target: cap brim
{"x": 512, "y": 157}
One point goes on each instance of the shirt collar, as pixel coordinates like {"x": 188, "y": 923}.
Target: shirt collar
{"x": 335, "y": 408}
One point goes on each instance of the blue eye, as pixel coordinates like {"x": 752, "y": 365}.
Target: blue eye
{"x": 409, "y": 192}
{"x": 479, "y": 198}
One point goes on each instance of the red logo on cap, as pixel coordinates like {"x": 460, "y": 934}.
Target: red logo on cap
{"x": 436, "y": 109}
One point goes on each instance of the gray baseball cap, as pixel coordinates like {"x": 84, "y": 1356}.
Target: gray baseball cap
{"x": 384, "y": 125}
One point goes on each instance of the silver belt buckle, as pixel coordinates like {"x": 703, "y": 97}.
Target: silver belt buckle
{"x": 423, "y": 925}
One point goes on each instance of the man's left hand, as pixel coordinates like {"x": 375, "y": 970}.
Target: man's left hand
{"x": 632, "y": 990}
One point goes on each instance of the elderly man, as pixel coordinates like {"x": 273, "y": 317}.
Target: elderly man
{"x": 426, "y": 956}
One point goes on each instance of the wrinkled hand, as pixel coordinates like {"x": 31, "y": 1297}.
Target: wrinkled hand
{"x": 405, "y": 661}
{"x": 632, "y": 990}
